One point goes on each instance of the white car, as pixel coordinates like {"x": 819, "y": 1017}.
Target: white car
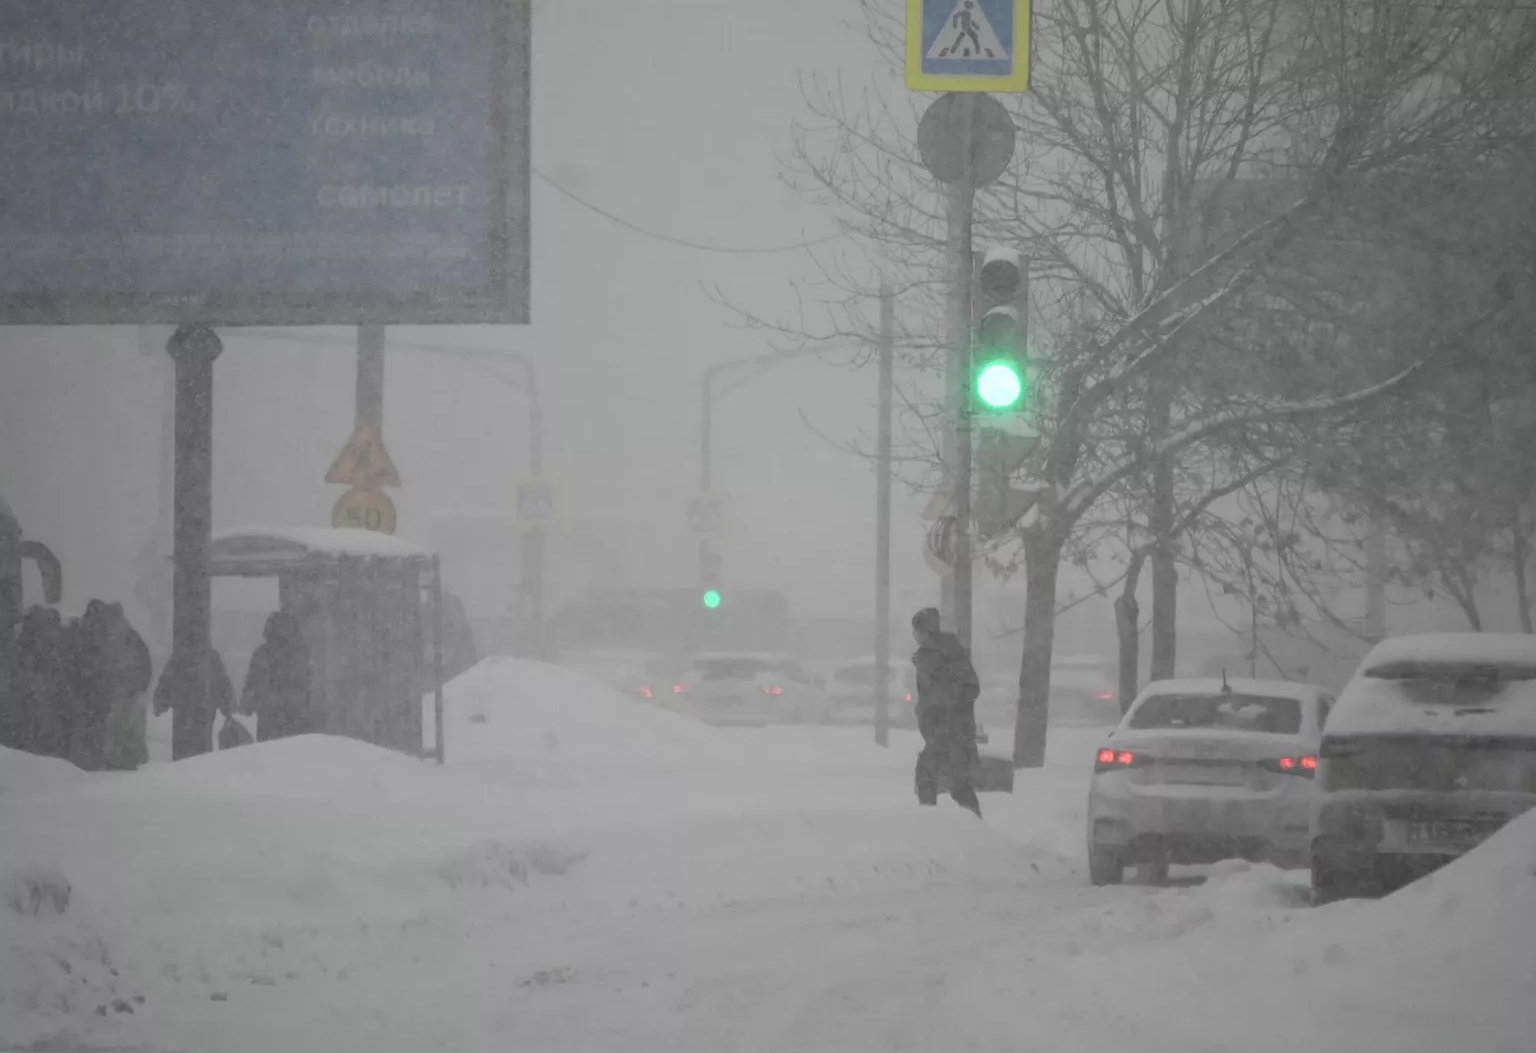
{"x": 1430, "y": 750}
{"x": 850, "y": 692}
{"x": 749, "y": 689}
{"x": 1203, "y": 770}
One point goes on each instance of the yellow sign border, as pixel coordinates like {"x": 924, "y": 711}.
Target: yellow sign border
{"x": 1017, "y": 81}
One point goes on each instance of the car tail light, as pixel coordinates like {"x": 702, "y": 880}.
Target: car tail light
{"x": 1305, "y": 766}
{"x": 678, "y": 689}
{"x": 909, "y": 698}
{"x": 1114, "y": 760}
{"x": 646, "y": 692}
{"x": 772, "y": 689}
{"x": 1105, "y": 696}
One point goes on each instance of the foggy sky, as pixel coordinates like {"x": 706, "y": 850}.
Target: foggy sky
{"x": 676, "y": 116}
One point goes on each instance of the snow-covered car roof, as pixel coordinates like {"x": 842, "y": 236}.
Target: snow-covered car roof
{"x": 330, "y": 541}
{"x": 1211, "y": 685}
{"x": 1376, "y": 704}
{"x": 1454, "y": 648}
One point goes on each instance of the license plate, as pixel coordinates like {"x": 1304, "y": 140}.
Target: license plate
{"x": 1204, "y": 775}
{"x": 1447, "y": 833}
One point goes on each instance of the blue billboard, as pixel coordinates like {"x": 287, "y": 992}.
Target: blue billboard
{"x": 264, "y": 162}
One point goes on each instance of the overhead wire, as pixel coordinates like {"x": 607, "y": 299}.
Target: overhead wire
{"x": 687, "y": 243}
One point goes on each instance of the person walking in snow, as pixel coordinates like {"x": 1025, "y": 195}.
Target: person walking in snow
{"x": 947, "y": 689}
{"x": 278, "y": 681}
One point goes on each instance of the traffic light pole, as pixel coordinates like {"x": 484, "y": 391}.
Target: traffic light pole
{"x": 883, "y": 519}
{"x": 960, "y": 310}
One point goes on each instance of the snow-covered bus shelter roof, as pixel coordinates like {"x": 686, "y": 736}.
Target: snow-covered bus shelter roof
{"x": 267, "y": 551}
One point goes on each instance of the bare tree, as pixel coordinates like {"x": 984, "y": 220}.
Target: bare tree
{"x": 1136, "y": 106}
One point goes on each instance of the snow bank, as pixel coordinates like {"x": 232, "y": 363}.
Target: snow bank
{"x": 550, "y": 722}
{"x": 25, "y": 774}
{"x": 1447, "y": 963}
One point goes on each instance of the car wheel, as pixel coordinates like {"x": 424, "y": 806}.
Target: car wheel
{"x": 1104, "y": 865}
{"x": 1154, "y": 873}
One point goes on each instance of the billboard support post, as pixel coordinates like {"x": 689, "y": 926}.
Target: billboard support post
{"x": 193, "y": 349}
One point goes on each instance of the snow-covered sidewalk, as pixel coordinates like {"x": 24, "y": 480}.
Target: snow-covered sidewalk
{"x": 590, "y": 873}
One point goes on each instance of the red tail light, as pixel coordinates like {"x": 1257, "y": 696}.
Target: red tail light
{"x": 1112, "y": 760}
{"x": 1105, "y": 696}
{"x": 646, "y": 692}
{"x": 909, "y": 698}
{"x": 772, "y": 689}
{"x": 1305, "y": 766}
{"x": 678, "y": 689}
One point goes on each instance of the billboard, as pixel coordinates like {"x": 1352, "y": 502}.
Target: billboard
{"x": 287, "y": 162}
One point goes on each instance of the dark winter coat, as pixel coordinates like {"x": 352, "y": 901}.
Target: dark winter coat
{"x": 46, "y": 703}
{"x": 192, "y": 734}
{"x": 277, "y": 684}
{"x": 946, "y": 679}
{"x": 86, "y": 664}
{"x": 128, "y": 673}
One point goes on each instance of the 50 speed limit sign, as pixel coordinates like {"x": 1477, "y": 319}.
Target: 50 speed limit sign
{"x": 364, "y": 509}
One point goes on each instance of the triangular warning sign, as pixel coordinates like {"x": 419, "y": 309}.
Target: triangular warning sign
{"x": 364, "y": 462}
{"x": 968, "y": 35}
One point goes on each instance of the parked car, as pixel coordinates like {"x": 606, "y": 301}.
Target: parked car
{"x": 1430, "y": 750}
{"x": 851, "y": 692}
{"x": 743, "y": 688}
{"x": 1203, "y": 770}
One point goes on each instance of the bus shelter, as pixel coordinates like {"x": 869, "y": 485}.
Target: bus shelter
{"x": 370, "y": 608}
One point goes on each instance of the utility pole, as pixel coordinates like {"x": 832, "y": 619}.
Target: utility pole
{"x": 193, "y": 348}
{"x": 1376, "y": 582}
{"x": 533, "y": 540}
{"x": 883, "y": 519}
{"x": 370, "y": 377}
{"x": 958, "y": 373}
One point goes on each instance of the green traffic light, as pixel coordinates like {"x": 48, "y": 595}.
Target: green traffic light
{"x": 999, "y": 385}
{"x": 711, "y": 598}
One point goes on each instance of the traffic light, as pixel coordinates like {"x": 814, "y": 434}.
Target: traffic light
{"x": 711, "y": 595}
{"x": 1000, "y": 378}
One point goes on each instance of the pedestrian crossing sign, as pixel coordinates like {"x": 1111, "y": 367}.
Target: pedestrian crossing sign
{"x": 968, "y": 45}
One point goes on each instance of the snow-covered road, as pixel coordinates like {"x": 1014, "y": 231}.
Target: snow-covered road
{"x": 589, "y": 874}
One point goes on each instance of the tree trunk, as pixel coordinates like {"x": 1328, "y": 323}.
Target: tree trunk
{"x": 1042, "y": 560}
{"x": 1128, "y": 631}
{"x": 1522, "y": 591}
{"x": 1165, "y": 573}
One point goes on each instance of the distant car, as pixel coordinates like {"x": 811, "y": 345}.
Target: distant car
{"x": 851, "y": 687}
{"x": 1204, "y": 770}
{"x": 1430, "y": 750}
{"x": 1084, "y": 690}
{"x": 743, "y": 688}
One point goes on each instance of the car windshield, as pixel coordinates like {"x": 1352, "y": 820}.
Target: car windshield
{"x": 1237, "y": 712}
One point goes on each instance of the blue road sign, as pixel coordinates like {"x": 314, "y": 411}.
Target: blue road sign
{"x": 968, "y": 45}
{"x": 283, "y": 162}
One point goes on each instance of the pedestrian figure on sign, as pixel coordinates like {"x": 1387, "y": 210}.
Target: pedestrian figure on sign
{"x": 277, "y": 684}
{"x": 965, "y": 22}
{"x": 947, "y": 689}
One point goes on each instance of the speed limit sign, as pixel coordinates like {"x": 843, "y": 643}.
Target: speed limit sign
{"x": 363, "y": 509}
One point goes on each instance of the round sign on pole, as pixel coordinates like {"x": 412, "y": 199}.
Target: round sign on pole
{"x": 362, "y": 509}
{"x": 941, "y": 138}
